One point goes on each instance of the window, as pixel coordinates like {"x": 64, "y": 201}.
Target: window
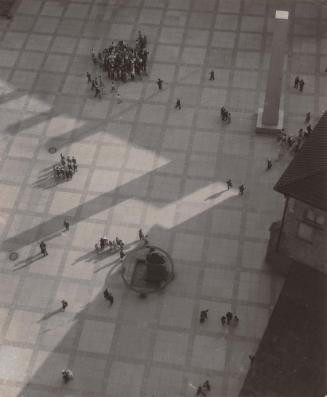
{"x": 310, "y": 215}
{"x": 305, "y": 232}
{"x": 314, "y": 218}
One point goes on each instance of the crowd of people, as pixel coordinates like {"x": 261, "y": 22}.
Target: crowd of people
{"x": 121, "y": 61}
{"x": 113, "y": 246}
{"x": 294, "y": 143}
{"x": 66, "y": 168}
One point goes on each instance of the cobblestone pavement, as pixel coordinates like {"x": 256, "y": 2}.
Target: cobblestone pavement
{"x": 142, "y": 164}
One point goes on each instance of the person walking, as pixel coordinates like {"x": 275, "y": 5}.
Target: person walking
{"x": 212, "y": 75}
{"x": 43, "y": 248}
{"x": 89, "y": 79}
{"x": 223, "y": 113}
{"x": 229, "y": 184}
{"x": 241, "y": 189}
{"x": 159, "y": 82}
{"x": 74, "y": 162}
{"x": 66, "y": 225}
{"x": 206, "y": 385}
{"x": 296, "y": 82}
{"x": 141, "y": 234}
{"x": 64, "y": 304}
{"x": 301, "y": 84}
{"x": 178, "y": 104}
{"x": 269, "y": 164}
{"x": 307, "y": 118}
{"x": 229, "y": 317}
{"x": 108, "y": 296}
{"x": 203, "y": 315}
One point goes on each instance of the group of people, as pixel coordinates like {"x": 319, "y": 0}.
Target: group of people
{"x": 113, "y": 246}
{"x": 225, "y": 115}
{"x": 203, "y": 389}
{"x": 67, "y": 375}
{"x": 298, "y": 83}
{"x": 241, "y": 188}
{"x": 294, "y": 143}
{"x": 66, "y": 168}
{"x": 229, "y": 318}
{"x": 121, "y": 61}
{"x": 117, "y": 244}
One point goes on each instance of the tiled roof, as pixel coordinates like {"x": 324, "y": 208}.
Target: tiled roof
{"x": 305, "y": 179}
{"x": 291, "y": 358}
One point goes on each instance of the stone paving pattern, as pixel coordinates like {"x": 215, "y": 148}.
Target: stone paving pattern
{"x": 142, "y": 164}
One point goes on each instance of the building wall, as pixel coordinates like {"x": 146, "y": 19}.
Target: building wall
{"x": 304, "y": 235}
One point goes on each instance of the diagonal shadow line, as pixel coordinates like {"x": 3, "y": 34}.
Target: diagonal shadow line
{"x": 79, "y": 133}
{"x": 30, "y": 122}
{"x": 49, "y": 229}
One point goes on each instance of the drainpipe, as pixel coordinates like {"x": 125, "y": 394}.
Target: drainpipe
{"x": 282, "y": 224}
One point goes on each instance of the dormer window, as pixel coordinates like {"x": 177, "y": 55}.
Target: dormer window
{"x": 314, "y": 218}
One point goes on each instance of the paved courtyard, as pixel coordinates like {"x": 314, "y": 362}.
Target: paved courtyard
{"x": 142, "y": 164}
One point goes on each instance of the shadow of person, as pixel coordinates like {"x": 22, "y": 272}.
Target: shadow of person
{"x": 28, "y": 261}
{"x": 49, "y": 315}
{"x": 216, "y": 195}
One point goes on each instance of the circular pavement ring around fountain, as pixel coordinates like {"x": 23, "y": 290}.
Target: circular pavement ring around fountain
{"x": 147, "y": 269}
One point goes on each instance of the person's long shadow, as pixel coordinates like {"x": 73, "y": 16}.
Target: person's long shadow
{"x": 49, "y": 315}
{"x": 115, "y": 265}
{"x": 47, "y": 180}
{"x": 216, "y": 195}
{"x": 28, "y": 261}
